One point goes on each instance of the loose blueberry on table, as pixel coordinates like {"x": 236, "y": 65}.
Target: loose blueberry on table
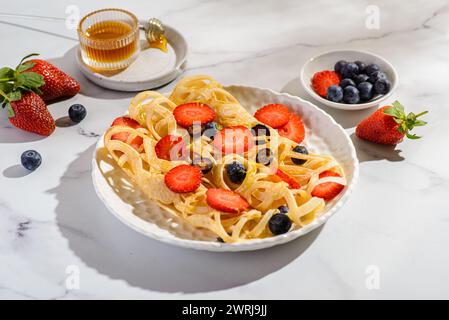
{"x": 351, "y": 82}
{"x": 31, "y": 159}
{"x": 77, "y": 113}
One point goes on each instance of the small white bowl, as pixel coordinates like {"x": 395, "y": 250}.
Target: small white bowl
{"x": 327, "y": 60}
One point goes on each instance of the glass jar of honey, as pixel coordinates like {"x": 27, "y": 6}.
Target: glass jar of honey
{"x": 109, "y": 39}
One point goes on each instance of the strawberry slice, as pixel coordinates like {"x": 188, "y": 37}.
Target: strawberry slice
{"x": 323, "y": 80}
{"x": 238, "y": 139}
{"x": 171, "y": 148}
{"x": 226, "y": 200}
{"x": 294, "y": 129}
{"x": 327, "y": 190}
{"x": 274, "y": 115}
{"x": 123, "y": 136}
{"x": 183, "y": 178}
{"x": 292, "y": 183}
{"x": 188, "y": 113}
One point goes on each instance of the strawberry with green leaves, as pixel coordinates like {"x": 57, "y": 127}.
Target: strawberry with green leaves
{"x": 31, "y": 114}
{"x": 19, "y": 93}
{"x": 389, "y": 125}
{"x": 57, "y": 83}
{"x": 14, "y": 82}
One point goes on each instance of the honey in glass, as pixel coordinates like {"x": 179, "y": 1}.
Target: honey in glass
{"x": 109, "y": 39}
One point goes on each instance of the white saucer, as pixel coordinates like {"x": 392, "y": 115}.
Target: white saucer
{"x": 153, "y": 68}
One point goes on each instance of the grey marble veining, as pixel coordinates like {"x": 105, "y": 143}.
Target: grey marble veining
{"x": 396, "y": 220}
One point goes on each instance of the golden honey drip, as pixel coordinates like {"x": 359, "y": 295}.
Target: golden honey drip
{"x": 160, "y": 44}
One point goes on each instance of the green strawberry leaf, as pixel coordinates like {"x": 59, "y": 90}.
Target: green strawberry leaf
{"x": 412, "y": 136}
{"x": 6, "y": 73}
{"x": 406, "y": 122}
{"x": 13, "y": 83}
{"x": 390, "y": 111}
{"x": 15, "y": 95}
{"x": 6, "y": 87}
{"x": 24, "y": 66}
{"x": 10, "y": 111}
{"x": 30, "y": 80}
{"x": 37, "y": 91}
{"x": 398, "y": 106}
{"x": 419, "y": 123}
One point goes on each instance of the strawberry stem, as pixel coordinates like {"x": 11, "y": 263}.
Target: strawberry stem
{"x": 4, "y": 95}
{"x": 421, "y": 113}
{"x": 406, "y": 122}
{"x": 27, "y": 56}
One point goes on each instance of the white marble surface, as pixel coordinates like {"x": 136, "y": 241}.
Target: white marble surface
{"x": 397, "y": 218}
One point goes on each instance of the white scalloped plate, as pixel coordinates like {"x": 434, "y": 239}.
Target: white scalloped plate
{"x": 127, "y": 203}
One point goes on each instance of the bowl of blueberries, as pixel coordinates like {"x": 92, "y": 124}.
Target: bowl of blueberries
{"x": 349, "y": 79}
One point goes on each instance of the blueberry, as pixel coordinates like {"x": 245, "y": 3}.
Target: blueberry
{"x": 377, "y": 75}
{"x": 302, "y": 150}
{"x": 361, "y": 78}
{"x": 365, "y": 90}
{"x": 361, "y": 65}
{"x": 260, "y": 130}
{"x": 339, "y": 65}
{"x": 279, "y": 224}
{"x": 236, "y": 172}
{"x": 205, "y": 164}
{"x": 351, "y": 95}
{"x": 283, "y": 209}
{"x": 334, "y": 93}
{"x": 371, "y": 68}
{"x": 77, "y": 112}
{"x": 210, "y": 129}
{"x": 350, "y": 70}
{"x": 31, "y": 159}
{"x": 382, "y": 86}
{"x": 347, "y": 82}
{"x": 264, "y": 156}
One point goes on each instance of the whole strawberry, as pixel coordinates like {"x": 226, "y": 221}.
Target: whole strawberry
{"x": 57, "y": 83}
{"x": 31, "y": 114}
{"x": 19, "y": 94}
{"x": 389, "y": 125}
